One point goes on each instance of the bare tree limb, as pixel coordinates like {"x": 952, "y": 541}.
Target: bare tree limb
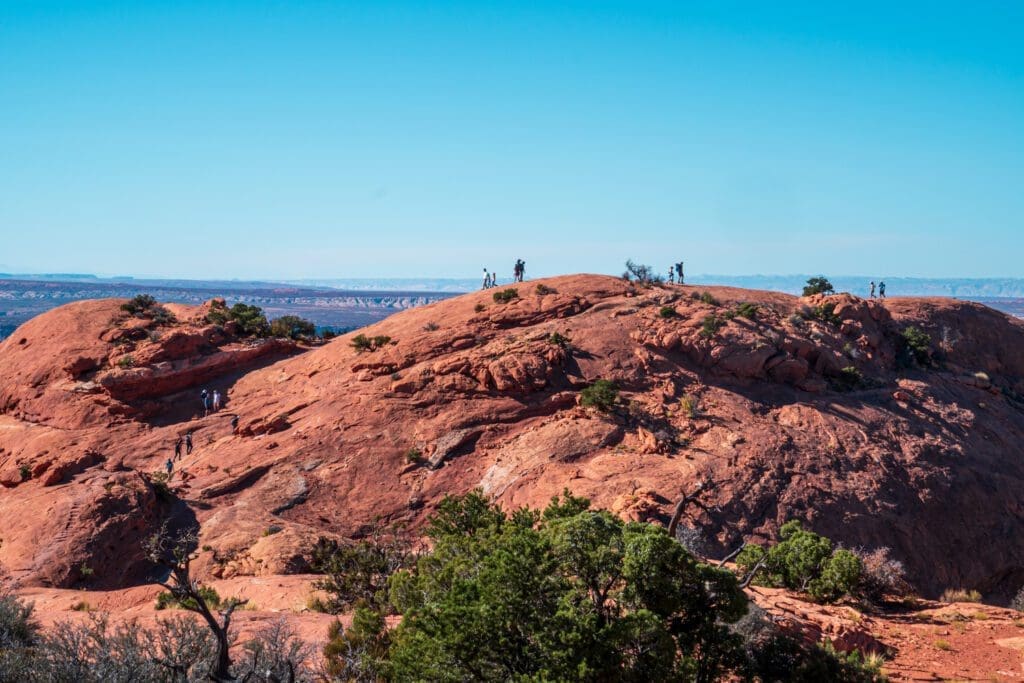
{"x": 731, "y": 555}
{"x": 684, "y": 502}
{"x": 753, "y": 572}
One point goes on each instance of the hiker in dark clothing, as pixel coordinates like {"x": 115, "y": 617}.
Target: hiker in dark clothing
{"x": 205, "y": 395}
{"x": 170, "y": 466}
{"x": 881, "y": 290}
{"x": 177, "y": 449}
{"x": 522, "y": 270}
{"x": 234, "y": 424}
{"x": 872, "y": 296}
{"x": 671, "y": 275}
{"x": 188, "y": 443}
{"x": 679, "y": 272}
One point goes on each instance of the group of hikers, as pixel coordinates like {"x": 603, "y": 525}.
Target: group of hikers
{"x": 212, "y": 402}
{"x": 518, "y": 271}
{"x": 881, "y": 290}
{"x": 675, "y": 271}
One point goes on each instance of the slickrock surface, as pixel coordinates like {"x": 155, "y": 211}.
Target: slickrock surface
{"x": 471, "y": 393}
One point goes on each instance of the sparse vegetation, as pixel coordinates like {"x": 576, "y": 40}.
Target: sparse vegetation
{"x": 85, "y": 571}
{"x": 943, "y": 645}
{"x": 747, "y": 310}
{"x": 824, "y": 313}
{"x": 542, "y": 289}
{"x": 960, "y": 595}
{"x": 602, "y": 394}
{"x": 706, "y": 297}
{"x": 126, "y": 362}
{"x": 249, "y": 320}
{"x": 558, "y": 339}
{"x": 159, "y": 480}
{"x": 431, "y": 327}
{"x": 690, "y": 406}
{"x": 644, "y": 275}
{"x": 818, "y": 285}
{"x": 175, "y": 648}
{"x": 881, "y": 576}
{"x": 292, "y": 327}
{"x": 667, "y": 312}
{"x": 145, "y": 306}
{"x": 1018, "y": 601}
{"x": 916, "y": 346}
{"x": 413, "y": 455}
{"x": 479, "y": 308}
{"x": 361, "y": 342}
{"x": 849, "y": 379}
{"x": 506, "y": 295}
{"x": 25, "y": 472}
{"x": 711, "y": 325}
{"x": 804, "y": 561}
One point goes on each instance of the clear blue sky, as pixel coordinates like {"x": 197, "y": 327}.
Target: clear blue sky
{"x": 347, "y": 139}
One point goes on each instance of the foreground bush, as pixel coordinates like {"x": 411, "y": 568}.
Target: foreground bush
{"x": 569, "y": 593}
{"x": 806, "y": 562}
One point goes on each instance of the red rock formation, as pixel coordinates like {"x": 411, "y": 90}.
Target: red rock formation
{"x": 765, "y": 407}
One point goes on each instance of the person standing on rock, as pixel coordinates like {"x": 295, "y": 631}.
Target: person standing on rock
{"x": 872, "y": 290}
{"x": 205, "y": 395}
{"x": 216, "y": 400}
{"x": 679, "y": 272}
{"x": 170, "y": 467}
{"x": 177, "y": 449}
{"x": 671, "y": 274}
{"x": 188, "y": 443}
{"x": 487, "y": 279}
{"x": 522, "y": 270}
{"x": 494, "y": 279}
{"x": 881, "y": 290}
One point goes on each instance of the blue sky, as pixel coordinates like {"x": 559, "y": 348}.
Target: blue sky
{"x": 336, "y": 139}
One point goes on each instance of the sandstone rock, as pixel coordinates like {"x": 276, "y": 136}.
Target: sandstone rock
{"x": 937, "y": 479}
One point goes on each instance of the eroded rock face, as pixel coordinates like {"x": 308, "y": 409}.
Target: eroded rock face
{"x": 799, "y": 409}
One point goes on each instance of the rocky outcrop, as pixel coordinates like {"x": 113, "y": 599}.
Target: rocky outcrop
{"x": 794, "y": 408}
